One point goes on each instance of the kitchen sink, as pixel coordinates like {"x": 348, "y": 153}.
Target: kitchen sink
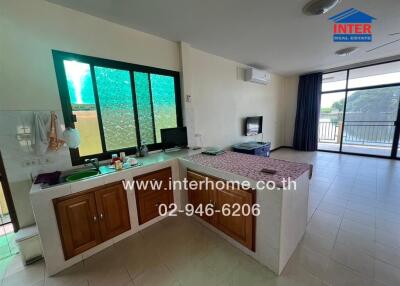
{"x": 82, "y": 175}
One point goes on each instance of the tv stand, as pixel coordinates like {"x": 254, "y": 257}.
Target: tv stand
{"x": 253, "y": 148}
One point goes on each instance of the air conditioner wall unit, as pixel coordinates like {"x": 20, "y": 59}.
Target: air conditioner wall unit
{"x": 257, "y": 76}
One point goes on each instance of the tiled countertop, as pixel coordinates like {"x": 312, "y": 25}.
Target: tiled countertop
{"x": 250, "y": 166}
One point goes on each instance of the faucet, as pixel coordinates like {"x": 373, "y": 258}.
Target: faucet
{"x": 94, "y": 162}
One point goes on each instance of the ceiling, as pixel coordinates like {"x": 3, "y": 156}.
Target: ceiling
{"x": 270, "y": 34}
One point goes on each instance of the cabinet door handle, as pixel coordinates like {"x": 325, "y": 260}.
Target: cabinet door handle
{"x": 94, "y": 218}
{"x": 101, "y": 216}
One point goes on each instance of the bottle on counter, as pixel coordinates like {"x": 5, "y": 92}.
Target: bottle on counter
{"x": 118, "y": 165}
{"x": 144, "y": 151}
{"x": 114, "y": 158}
{"x": 122, "y": 156}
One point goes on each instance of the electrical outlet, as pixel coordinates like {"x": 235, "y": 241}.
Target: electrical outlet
{"x": 30, "y": 162}
{"x": 26, "y": 163}
{"x": 44, "y": 161}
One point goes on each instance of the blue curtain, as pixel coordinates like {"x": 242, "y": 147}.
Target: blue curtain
{"x": 307, "y": 115}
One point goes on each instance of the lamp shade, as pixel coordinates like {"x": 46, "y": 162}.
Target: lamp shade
{"x": 72, "y": 138}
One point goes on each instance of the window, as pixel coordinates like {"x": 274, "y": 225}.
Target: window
{"x": 375, "y": 75}
{"x": 334, "y": 81}
{"x": 360, "y": 110}
{"x": 115, "y": 106}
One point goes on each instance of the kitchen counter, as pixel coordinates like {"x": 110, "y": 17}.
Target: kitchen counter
{"x": 250, "y": 166}
{"x": 279, "y": 227}
{"x": 105, "y": 171}
{"x": 283, "y": 217}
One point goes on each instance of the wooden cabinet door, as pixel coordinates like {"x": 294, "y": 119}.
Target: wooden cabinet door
{"x": 148, "y": 198}
{"x": 148, "y": 205}
{"x": 162, "y": 176}
{"x": 238, "y": 227}
{"x": 112, "y": 210}
{"x": 78, "y": 223}
{"x": 198, "y": 196}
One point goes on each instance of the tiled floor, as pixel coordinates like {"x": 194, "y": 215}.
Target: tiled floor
{"x": 353, "y": 238}
{"x": 8, "y": 246}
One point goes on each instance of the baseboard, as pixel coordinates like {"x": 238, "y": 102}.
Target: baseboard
{"x": 281, "y": 147}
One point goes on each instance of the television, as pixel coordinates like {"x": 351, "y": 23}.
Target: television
{"x": 253, "y": 125}
{"x": 174, "y": 137}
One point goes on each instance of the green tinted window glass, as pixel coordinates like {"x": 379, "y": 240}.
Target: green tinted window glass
{"x": 116, "y": 107}
{"x": 164, "y": 106}
{"x": 83, "y": 104}
{"x": 142, "y": 89}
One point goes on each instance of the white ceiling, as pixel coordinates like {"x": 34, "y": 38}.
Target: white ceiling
{"x": 271, "y": 34}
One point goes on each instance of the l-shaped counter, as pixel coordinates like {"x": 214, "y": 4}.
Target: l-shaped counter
{"x": 277, "y": 229}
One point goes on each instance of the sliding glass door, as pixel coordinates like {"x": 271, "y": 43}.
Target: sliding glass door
{"x": 360, "y": 111}
{"x": 370, "y": 118}
{"x": 331, "y": 121}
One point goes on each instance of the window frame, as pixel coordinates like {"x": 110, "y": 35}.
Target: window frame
{"x": 347, "y": 89}
{"x": 60, "y": 56}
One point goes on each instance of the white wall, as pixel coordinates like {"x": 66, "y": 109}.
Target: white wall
{"x": 221, "y": 99}
{"x": 29, "y": 30}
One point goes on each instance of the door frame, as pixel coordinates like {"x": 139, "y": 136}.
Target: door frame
{"x": 396, "y": 136}
{"x": 7, "y": 195}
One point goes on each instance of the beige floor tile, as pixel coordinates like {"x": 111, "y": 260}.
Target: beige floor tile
{"x": 199, "y": 274}
{"x": 178, "y": 254}
{"x": 387, "y": 274}
{"x": 157, "y": 276}
{"x": 358, "y": 228}
{"x": 106, "y": 268}
{"x": 387, "y": 239}
{"x": 388, "y": 254}
{"x": 28, "y": 276}
{"x": 4, "y": 264}
{"x": 311, "y": 261}
{"x": 357, "y": 241}
{"x": 250, "y": 272}
{"x": 320, "y": 244}
{"x": 73, "y": 276}
{"x": 336, "y": 200}
{"x": 388, "y": 226}
{"x": 354, "y": 259}
{"x": 13, "y": 264}
{"x": 295, "y": 274}
{"x": 105, "y": 276}
{"x": 324, "y": 224}
{"x": 327, "y": 218}
{"x": 139, "y": 261}
{"x": 332, "y": 208}
{"x": 340, "y": 275}
{"x": 363, "y": 218}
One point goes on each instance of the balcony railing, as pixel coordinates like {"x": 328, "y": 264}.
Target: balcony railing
{"x": 371, "y": 133}
{"x": 328, "y": 132}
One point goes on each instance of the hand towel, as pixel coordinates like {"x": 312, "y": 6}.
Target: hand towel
{"x": 41, "y": 135}
{"x": 55, "y": 134}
